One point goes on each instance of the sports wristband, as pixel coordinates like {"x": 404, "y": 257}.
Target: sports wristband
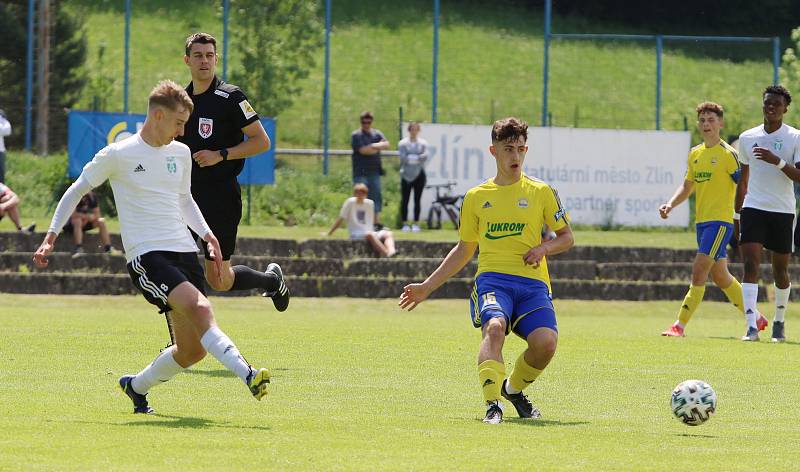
{"x": 736, "y": 216}
{"x": 781, "y": 164}
{"x": 224, "y": 153}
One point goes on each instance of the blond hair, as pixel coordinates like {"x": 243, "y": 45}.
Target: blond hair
{"x": 170, "y": 95}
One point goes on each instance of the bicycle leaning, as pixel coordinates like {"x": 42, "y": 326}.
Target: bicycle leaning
{"x": 445, "y": 203}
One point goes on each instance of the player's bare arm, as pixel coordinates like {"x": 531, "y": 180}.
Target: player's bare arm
{"x": 459, "y": 256}
{"x": 764, "y": 154}
{"x": 680, "y": 195}
{"x": 562, "y": 242}
{"x": 256, "y": 143}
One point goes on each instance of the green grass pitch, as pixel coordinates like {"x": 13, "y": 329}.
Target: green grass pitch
{"x": 361, "y": 385}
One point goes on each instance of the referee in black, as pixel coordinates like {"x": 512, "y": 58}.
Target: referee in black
{"x": 215, "y": 133}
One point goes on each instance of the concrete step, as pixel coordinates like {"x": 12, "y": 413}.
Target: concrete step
{"x": 346, "y": 249}
{"x": 675, "y": 271}
{"x": 374, "y": 287}
{"x": 405, "y": 268}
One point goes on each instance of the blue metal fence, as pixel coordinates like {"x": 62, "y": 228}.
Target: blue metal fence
{"x": 659, "y": 47}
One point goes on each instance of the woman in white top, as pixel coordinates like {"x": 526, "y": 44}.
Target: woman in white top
{"x": 413, "y": 156}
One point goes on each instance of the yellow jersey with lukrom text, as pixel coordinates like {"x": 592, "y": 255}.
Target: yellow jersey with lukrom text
{"x": 715, "y": 172}
{"x": 506, "y": 221}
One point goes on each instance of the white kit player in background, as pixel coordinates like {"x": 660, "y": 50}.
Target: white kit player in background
{"x": 765, "y": 205}
{"x": 150, "y": 175}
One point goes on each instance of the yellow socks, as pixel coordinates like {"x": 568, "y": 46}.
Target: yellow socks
{"x": 491, "y": 374}
{"x": 523, "y": 374}
{"x": 690, "y": 303}
{"x": 734, "y": 294}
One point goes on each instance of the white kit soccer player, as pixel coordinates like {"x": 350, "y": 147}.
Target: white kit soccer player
{"x": 768, "y": 210}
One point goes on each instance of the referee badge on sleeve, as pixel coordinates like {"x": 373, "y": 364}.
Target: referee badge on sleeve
{"x": 205, "y": 127}
{"x": 247, "y": 110}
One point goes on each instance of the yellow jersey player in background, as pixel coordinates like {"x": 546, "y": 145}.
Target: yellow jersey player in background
{"x": 712, "y": 172}
{"x": 504, "y": 216}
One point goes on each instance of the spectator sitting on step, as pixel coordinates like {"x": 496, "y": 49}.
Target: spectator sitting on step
{"x": 359, "y": 212}
{"x": 9, "y": 205}
{"x": 86, "y": 217}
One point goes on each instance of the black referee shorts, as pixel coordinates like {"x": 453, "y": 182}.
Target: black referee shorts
{"x": 221, "y": 205}
{"x": 773, "y": 230}
{"x": 157, "y": 273}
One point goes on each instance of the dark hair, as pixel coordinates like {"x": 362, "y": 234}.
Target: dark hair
{"x": 413, "y": 123}
{"x": 779, "y": 90}
{"x": 367, "y": 114}
{"x": 170, "y": 95}
{"x": 200, "y": 38}
{"x": 509, "y": 129}
{"x": 710, "y": 107}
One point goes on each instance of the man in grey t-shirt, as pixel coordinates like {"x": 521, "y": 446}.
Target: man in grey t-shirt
{"x": 367, "y": 145}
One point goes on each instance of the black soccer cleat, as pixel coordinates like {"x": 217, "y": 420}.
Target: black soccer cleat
{"x": 494, "y": 413}
{"x": 524, "y": 407}
{"x": 778, "y": 333}
{"x": 280, "y": 297}
{"x": 139, "y": 401}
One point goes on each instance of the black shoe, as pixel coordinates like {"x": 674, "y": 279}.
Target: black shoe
{"x": 778, "y": 334}
{"x": 139, "y": 401}
{"x": 524, "y": 407}
{"x": 28, "y": 229}
{"x": 494, "y": 413}
{"x": 377, "y": 226}
{"x": 280, "y": 297}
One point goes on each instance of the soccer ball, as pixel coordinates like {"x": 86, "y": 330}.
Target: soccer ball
{"x": 693, "y": 402}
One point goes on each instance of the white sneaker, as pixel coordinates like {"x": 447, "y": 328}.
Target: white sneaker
{"x": 405, "y": 228}
{"x": 415, "y": 229}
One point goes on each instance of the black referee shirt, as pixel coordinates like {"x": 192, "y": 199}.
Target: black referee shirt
{"x": 219, "y": 115}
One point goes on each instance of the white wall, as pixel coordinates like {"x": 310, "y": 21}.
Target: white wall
{"x": 602, "y": 176}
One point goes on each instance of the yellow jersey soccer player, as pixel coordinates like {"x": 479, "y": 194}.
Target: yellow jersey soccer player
{"x": 713, "y": 170}
{"x": 504, "y": 216}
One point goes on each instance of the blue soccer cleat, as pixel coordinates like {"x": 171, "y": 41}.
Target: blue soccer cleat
{"x": 751, "y": 335}
{"x": 139, "y": 401}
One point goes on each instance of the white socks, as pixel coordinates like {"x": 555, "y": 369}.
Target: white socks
{"x": 510, "y": 388}
{"x": 220, "y": 346}
{"x": 750, "y": 295}
{"x": 160, "y": 370}
{"x": 781, "y": 301}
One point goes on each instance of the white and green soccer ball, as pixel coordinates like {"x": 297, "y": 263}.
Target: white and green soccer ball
{"x": 693, "y": 402}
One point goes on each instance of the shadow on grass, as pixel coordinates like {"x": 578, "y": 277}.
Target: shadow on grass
{"x": 765, "y": 340}
{"x": 539, "y": 422}
{"x": 176, "y": 422}
{"x": 227, "y": 373}
{"x": 704, "y": 436}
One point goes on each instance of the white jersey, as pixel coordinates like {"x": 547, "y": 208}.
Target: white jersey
{"x": 359, "y": 217}
{"x": 147, "y": 182}
{"x": 768, "y": 188}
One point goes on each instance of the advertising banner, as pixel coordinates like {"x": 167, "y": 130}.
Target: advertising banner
{"x": 603, "y": 176}
{"x": 90, "y": 131}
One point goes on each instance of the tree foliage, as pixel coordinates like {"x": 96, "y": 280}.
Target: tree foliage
{"x": 276, "y": 42}
{"x": 790, "y": 69}
{"x": 67, "y": 74}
